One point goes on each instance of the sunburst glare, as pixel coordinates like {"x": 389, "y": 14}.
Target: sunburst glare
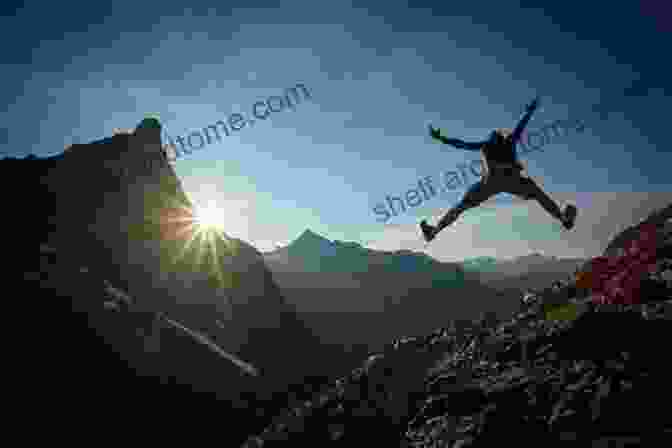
{"x": 200, "y": 229}
{"x": 209, "y": 218}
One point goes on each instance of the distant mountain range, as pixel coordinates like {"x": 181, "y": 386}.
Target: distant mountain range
{"x": 352, "y": 295}
{"x": 312, "y": 253}
{"x": 342, "y": 290}
{"x": 529, "y": 272}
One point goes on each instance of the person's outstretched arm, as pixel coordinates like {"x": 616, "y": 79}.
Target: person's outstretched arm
{"x": 457, "y": 143}
{"x": 529, "y": 110}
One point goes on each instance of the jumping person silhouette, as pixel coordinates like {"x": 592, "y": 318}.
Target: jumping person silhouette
{"x": 501, "y": 174}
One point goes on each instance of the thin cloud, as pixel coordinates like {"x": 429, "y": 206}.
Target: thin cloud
{"x": 511, "y": 230}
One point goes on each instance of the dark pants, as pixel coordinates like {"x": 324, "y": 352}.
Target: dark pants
{"x": 509, "y": 181}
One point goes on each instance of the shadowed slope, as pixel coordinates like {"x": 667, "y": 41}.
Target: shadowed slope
{"x": 108, "y": 206}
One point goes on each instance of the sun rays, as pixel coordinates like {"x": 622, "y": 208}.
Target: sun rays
{"x": 197, "y": 235}
{"x": 209, "y": 218}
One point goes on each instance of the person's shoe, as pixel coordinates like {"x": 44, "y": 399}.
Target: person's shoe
{"x": 428, "y": 232}
{"x": 569, "y": 216}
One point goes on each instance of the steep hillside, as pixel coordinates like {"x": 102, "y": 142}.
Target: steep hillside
{"x": 570, "y": 381}
{"x": 114, "y": 207}
{"x": 343, "y": 290}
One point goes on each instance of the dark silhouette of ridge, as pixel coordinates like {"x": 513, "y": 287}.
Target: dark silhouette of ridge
{"x": 103, "y": 208}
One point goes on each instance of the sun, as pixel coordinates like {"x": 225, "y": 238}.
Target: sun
{"x": 208, "y": 218}
{"x": 199, "y": 228}
{"x": 207, "y": 232}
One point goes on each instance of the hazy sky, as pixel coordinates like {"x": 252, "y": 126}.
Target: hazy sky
{"x": 377, "y": 75}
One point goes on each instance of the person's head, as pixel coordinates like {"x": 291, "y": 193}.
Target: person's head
{"x": 149, "y": 123}
{"x": 500, "y": 135}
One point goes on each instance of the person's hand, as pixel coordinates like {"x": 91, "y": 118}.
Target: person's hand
{"x": 533, "y": 105}
{"x": 434, "y": 133}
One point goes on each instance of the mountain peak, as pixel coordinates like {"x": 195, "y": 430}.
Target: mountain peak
{"x": 309, "y": 235}
{"x": 534, "y": 256}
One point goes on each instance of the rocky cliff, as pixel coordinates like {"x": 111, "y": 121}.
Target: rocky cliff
{"x": 109, "y": 207}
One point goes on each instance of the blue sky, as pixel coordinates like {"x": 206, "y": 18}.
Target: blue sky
{"x": 377, "y": 76}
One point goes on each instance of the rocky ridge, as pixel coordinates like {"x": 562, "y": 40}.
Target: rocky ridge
{"x": 199, "y": 338}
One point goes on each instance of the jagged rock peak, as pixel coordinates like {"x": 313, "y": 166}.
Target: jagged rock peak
{"x": 309, "y": 235}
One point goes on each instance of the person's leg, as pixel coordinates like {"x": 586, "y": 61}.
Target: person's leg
{"x": 478, "y": 193}
{"x": 527, "y": 188}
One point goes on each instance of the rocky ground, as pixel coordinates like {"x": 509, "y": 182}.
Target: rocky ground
{"x": 600, "y": 379}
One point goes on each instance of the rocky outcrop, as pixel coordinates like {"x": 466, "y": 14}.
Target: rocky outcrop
{"x": 116, "y": 198}
{"x": 660, "y": 217}
{"x": 95, "y": 357}
{"x": 200, "y": 316}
